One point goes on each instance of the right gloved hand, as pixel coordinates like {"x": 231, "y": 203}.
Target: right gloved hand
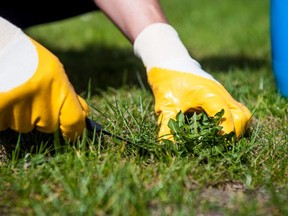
{"x": 176, "y": 91}
{"x": 35, "y": 91}
{"x": 179, "y": 83}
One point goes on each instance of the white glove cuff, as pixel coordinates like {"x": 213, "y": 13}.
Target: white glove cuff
{"x": 18, "y": 56}
{"x": 159, "y": 45}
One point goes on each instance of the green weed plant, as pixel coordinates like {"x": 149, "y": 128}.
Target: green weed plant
{"x": 199, "y": 133}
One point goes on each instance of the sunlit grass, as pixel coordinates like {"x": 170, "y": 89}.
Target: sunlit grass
{"x": 100, "y": 175}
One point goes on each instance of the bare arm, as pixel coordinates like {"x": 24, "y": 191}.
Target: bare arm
{"x": 132, "y": 16}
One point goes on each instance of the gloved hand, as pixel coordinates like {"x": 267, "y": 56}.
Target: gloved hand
{"x": 179, "y": 84}
{"x": 174, "y": 91}
{"x": 34, "y": 89}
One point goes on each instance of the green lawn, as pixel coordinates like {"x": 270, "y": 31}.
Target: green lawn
{"x": 100, "y": 175}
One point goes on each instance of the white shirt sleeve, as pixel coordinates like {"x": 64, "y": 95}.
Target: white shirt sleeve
{"x": 18, "y": 56}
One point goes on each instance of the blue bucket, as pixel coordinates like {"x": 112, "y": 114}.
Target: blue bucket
{"x": 279, "y": 43}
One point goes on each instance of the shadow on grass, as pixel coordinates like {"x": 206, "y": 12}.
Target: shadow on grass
{"x": 115, "y": 67}
{"x": 226, "y": 63}
{"x": 21, "y": 144}
{"x": 103, "y": 66}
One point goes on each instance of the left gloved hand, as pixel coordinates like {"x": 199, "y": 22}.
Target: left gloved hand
{"x": 35, "y": 92}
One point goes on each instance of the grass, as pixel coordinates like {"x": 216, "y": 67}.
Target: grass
{"x": 99, "y": 175}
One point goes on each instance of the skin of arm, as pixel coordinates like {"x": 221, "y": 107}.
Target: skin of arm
{"x": 132, "y": 16}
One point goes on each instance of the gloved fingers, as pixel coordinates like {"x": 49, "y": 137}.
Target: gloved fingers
{"x": 72, "y": 117}
{"x": 246, "y": 111}
{"x": 163, "y": 120}
{"x": 84, "y": 105}
{"x": 235, "y": 116}
{"x": 214, "y": 104}
{"x": 10, "y": 117}
{"x": 241, "y": 116}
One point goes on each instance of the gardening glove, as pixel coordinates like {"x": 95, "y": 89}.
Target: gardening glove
{"x": 34, "y": 89}
{"x": 179, "y": 84}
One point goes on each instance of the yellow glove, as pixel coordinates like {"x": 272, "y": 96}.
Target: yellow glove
{"x": 174, "y": 91}
{"x": 34, "y": 89}
{"x": 179, "y": 84}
